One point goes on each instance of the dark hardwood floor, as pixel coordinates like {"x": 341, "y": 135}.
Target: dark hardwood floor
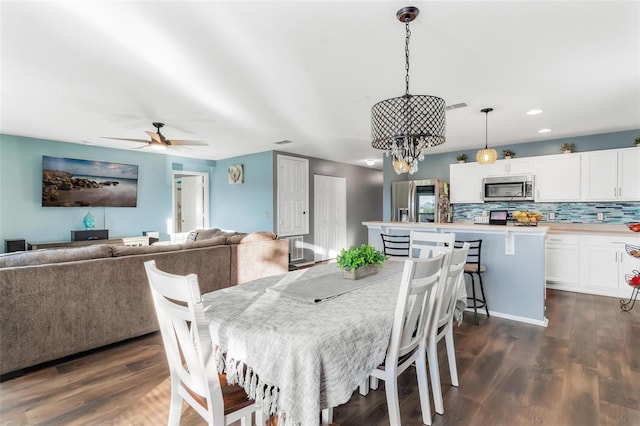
{"x": 584, "y": 369}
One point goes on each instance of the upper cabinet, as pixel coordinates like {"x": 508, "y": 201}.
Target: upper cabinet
{"x": 606, "y": 175}
{"x": 611, "y": 175}
{"x": 465, "y": 183}
{"x": 557, "y": 177}
{"x": 520, "y": 166}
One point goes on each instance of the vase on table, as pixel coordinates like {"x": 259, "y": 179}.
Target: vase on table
{"x": 360, "y": 272}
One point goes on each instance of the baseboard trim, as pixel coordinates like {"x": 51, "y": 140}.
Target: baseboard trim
{"x": 526, "y": 320}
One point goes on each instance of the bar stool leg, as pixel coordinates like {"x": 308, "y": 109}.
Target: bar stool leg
{"x": 473, "y": 298}
{"x": 484, "y": 299}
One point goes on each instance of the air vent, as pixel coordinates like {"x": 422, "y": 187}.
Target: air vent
{"x": 456, "y": 106}
{"x": 284, "y": 142}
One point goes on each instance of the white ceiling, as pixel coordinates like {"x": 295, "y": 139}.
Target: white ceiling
{"x": 242, "y": 75}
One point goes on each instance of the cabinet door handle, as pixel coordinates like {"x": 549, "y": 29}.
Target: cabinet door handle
{"x": 619, "y": 191}
{"x": 615, "y": 191}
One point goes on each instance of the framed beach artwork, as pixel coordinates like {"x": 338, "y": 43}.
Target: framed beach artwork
{"x": 236, "y": 174}
{"x": 71, "y": 182}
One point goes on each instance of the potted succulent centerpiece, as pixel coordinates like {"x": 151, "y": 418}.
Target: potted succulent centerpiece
{"x": 567, "y": 148}
{"x": 507, "y": 153}
{"x": 462, "y": 158}
{"x": 360, "y": 262}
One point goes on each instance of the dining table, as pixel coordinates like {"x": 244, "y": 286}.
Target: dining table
{"x": 303, "y": 341}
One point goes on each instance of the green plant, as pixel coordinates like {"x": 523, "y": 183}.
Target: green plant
{"x": 636, "y": 140}
{"x": 508, "y": 153}
{"x": 567, "y": 147}
{"x": 461, "y": 157}
{"x": 360, "y": 256}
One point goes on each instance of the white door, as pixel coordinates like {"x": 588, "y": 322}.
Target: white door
{"x": 329, "y": 216}
{"x": 293, "y": 196}
{"x": 191, "y": 201}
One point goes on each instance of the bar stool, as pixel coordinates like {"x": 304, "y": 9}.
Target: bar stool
{"x": 473, "y": 268}
{"x": 395, "y": 245}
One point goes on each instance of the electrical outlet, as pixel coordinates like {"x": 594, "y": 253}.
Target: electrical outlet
{"x": 552, "y": 216}
{"x": 600, "y": 216}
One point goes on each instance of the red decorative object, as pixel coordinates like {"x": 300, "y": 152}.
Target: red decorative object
{"x": 635, "y": 227}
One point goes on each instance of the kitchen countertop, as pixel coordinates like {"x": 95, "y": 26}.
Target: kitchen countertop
{"x": 591, "y": 229}
{"x": 469, "y": 226}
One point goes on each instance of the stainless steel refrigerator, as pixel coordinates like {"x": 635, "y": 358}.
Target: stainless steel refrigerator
{"x": 420, "y": 201}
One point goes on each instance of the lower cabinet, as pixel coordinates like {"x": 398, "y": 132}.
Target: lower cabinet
{"x": 590, "y": 264}
{"x": 563, "y": 259}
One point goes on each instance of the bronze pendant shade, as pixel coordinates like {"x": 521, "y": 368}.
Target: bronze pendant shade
{"x": 407, "y": 125}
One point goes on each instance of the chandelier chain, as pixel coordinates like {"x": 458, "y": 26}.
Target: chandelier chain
{"x": 406, "y": 54}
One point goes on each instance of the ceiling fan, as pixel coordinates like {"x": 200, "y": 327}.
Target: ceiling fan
{"x": 158, "y": 141}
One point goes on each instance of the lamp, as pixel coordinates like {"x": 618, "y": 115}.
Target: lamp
{"x": 486, "y": 155}
{"x": 407, "y": 125}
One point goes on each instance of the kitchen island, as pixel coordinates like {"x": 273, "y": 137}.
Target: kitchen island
{"x": 514, "y": 282}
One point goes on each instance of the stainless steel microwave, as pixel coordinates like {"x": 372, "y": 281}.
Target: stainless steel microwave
{"x": 508, "y": 188}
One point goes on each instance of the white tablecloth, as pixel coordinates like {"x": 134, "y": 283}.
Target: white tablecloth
{"x": 297, "y": 358}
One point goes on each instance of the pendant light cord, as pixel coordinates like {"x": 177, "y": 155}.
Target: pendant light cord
{"x": 406, "y": 54}
{"x": 486, "y": 130}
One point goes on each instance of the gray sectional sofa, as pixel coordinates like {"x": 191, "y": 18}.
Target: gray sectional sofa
{"x": 55, "y": 303}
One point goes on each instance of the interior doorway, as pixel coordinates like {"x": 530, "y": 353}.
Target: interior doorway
{"x": 190, "y": 201}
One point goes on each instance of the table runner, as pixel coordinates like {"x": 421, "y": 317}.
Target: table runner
{"x": 332, "y": 285}
{"x": 299, "y": 358}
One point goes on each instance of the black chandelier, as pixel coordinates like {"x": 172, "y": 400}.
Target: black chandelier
{"x": 406, "y": 126}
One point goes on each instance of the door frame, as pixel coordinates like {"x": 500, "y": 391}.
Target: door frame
{"x": 205, "y": 198}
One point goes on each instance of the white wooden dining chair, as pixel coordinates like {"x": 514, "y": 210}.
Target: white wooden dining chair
{"x": 189, "y": 350}
{"x": 443, "y": 325}
{"x": 419, "y": 240}
{"x": 413, "y": 314}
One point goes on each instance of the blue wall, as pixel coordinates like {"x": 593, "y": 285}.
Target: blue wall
{"x": 436, "y": 166}
{"x": 245, "y": 207}
{"x": 21, "y": 214}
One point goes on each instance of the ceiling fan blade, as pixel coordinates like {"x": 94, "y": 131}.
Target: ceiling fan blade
{"x": 155, "y": 136}
{"x": 185, "y": 143}
{"x": 127, "y": 139}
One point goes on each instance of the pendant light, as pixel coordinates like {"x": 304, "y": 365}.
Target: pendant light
{"x": 486, "y": 155}
{"x": 407, "y": 125}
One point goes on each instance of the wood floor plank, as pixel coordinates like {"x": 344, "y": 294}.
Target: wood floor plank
{"x": 580, "y": 396}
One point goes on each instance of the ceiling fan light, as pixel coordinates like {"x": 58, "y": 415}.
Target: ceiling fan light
{"x": 158, "y": 146}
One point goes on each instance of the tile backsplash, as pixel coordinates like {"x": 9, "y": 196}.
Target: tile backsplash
{"x": 612, "y": 213}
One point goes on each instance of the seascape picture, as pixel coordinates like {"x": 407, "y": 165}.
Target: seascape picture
{"x": 68, "y": 182}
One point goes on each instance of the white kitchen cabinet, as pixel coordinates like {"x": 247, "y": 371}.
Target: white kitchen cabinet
{"x": 585, "y": 263}
{"x": 629, "y": 174}
{"x": 605, "y": 262}
{"x": 563, "y": 259}
{"x": 611, "y": 175}
{"x": 520, "y": 166}
{"x": 465, "y": 181}
{"x": 557, "y": 178}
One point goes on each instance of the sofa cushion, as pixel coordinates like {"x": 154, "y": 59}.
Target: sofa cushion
{"x": 156, "y": 248}
{"x": 214, "y": 241}
{"x": 204, "y": 234}
{"x": 253, "y": 237}
{"x": 41, "y": 257}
